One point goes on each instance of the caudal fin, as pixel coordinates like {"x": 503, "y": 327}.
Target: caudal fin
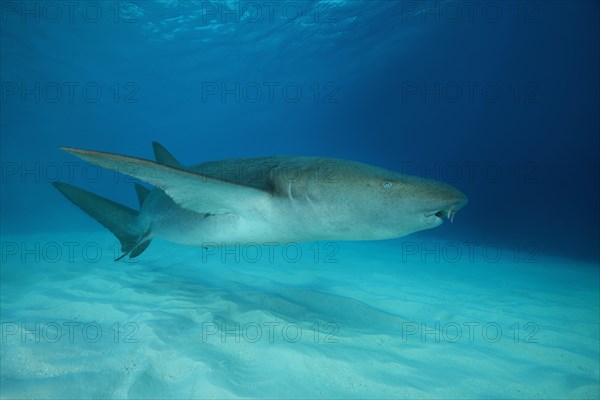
{"x": 117, "y": 218}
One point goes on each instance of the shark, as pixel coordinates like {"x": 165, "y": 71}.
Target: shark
{"x": 280, "y": 199}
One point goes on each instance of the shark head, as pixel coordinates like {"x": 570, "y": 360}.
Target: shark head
{"x": 405, "y": 204}
{"x": 384, "y": 204}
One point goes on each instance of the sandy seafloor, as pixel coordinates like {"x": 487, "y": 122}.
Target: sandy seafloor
{"x": 377, "y": 322}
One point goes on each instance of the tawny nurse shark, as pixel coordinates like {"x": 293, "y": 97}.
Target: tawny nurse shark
{"x": 259, "y": 200}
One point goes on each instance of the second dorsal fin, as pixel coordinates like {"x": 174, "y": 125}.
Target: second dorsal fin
{"x": 142, "y": 193}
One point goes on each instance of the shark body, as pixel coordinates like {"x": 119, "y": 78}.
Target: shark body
{"x": 263, "y": 200}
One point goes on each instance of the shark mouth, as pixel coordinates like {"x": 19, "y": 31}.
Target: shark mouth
{"x": 441, "y": 214}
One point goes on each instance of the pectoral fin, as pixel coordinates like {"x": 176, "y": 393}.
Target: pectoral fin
{"x": 190, "y": 190}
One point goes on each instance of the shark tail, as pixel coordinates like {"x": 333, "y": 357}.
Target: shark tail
{"x": 122, "y": 221}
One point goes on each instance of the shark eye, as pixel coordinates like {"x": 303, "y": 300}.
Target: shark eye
{"x": 387, "y": 185}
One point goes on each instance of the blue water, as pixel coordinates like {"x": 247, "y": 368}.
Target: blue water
{"x": 499, "y": 99}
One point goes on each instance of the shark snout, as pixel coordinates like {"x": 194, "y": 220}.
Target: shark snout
{"x": 444, "y": 202}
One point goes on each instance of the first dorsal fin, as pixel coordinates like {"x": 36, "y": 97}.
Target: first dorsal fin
{"x": 163, "y": 156}
{"x": 142, "y": 193}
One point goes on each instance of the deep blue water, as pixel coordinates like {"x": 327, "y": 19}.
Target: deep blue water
{"x": 500, "y": 100}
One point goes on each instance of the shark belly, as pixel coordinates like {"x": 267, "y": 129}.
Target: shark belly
{"x": 174, "y": 223}
{"x": 276, "y": 222}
